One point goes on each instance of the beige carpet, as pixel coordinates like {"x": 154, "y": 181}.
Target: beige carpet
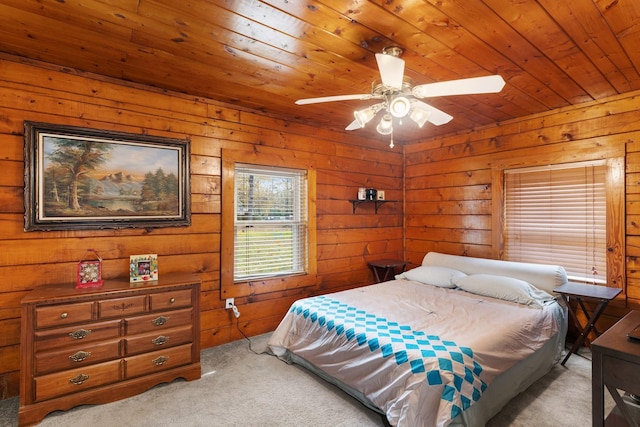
{"x": 244, "y": 389}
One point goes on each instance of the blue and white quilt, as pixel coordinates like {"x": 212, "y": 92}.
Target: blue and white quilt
{"x": 419, "y": 353}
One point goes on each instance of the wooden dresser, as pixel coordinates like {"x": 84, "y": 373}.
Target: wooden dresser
{"x": 98, "y": 345}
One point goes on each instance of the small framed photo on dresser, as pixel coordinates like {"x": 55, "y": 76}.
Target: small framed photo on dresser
{"x": 143, "y": 268}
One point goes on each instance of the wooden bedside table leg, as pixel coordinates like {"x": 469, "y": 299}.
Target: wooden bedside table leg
{"x": 586, "y": 313}
{"x": 376, "y": 274}
{"x": 388, "y": 273}
{"x": 597, "y": 391}
{"x": 584, "y": 330}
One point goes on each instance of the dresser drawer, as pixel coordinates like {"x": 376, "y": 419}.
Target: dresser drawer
{"x": 122, "y": 306}
{"x": 77, "y": 356}
{"x": 158, "y": 339}
{"x": 156, "y": 361}
{"x": 64, "y": 314}
{"x": 158, "y": 321}
{"x": 75, "y": 380}
{"x": 73, "y": 335}
{"x": 173, "y": 299}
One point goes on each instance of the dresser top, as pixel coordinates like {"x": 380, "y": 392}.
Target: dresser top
{"x": 115, "y": 287}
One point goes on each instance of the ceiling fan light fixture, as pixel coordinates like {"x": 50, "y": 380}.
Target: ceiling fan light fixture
{"x": 419, "y": 115}
{"x": 399, "y": 106}
{"x": 385, "y": 127}
{"x": 365, "y": 115}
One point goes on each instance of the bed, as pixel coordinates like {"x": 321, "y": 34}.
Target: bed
{"x": 447, "y": 343}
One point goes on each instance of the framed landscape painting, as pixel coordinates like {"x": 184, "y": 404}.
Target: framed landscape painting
{"x": 78, "y": 178}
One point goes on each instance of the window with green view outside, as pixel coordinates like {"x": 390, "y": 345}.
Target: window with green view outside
{"x": 270, "y": 227}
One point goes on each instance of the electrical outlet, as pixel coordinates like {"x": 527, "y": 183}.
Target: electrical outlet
{"x": 229, "y": 304}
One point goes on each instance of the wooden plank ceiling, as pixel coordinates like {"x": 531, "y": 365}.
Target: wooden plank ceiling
{"x": 266, "y": 54}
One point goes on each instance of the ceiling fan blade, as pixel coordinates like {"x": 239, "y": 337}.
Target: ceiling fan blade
{"x": 436, "y": 117}
{"x": 353, "y": 125}
{"x": 361, "y": 96}
{"x": 391, "y": 70}
{"x": 474, "y": 85}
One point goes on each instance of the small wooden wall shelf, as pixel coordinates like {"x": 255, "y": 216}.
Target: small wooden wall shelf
{"x": 377, "y": 203}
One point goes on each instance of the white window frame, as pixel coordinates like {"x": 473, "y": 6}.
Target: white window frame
{"x": 259, "y": 242}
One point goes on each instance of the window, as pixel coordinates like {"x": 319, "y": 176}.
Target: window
{"x": 558, "y": 215}
{"x": 270, "y": 222}
{"x": 288, "y": 224}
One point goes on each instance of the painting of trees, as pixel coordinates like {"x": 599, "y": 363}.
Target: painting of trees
{"x": 77, "y": 158}
{"x": 85, "y": 176}
{"x": 77, "y": 177}
{"x": 160, "y": 191}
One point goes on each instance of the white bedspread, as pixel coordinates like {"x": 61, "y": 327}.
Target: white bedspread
{"x": 391, "y": 340}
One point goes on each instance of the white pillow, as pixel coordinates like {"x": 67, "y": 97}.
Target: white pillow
{"x": 505, "y": 288}
{"x": 432, "y": 275}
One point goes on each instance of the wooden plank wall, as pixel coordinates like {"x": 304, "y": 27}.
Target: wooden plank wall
{"x": 448, "y": 184}
{"x": 37, "y": 92}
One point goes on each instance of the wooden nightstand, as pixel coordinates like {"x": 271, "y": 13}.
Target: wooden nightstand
{"x": 602, "y": 294}
{"x": 616, "y": 365}
{"x": 385, "y": 269}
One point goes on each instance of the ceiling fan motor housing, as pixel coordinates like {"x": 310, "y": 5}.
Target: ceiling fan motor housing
{"x": 393, "y": 51}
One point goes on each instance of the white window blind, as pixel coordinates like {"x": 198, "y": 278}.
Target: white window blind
{"x": 270, "y": 222}
{"x": 557, "y": 215}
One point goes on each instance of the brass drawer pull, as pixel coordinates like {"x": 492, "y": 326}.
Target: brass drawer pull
{"x": 79, "y": 334}
{"x": 80, "y": 356}
{"x": 172, "y": 300}
{"x": 79, "y": 379}
{"x": 159, "y": 361}
{"x": 160, "y": 340}
{"x": 64, "y": 315}
{"x": 159, "y": 321}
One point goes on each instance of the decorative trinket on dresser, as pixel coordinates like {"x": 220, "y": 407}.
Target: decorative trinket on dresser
{"x": 89, "y": 272}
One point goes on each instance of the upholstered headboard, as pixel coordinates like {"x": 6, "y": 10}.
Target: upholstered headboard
{"x": 542, "y": 276}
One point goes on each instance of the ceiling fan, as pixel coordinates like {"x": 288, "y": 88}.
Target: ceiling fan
{"x": 400, "y": 98}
